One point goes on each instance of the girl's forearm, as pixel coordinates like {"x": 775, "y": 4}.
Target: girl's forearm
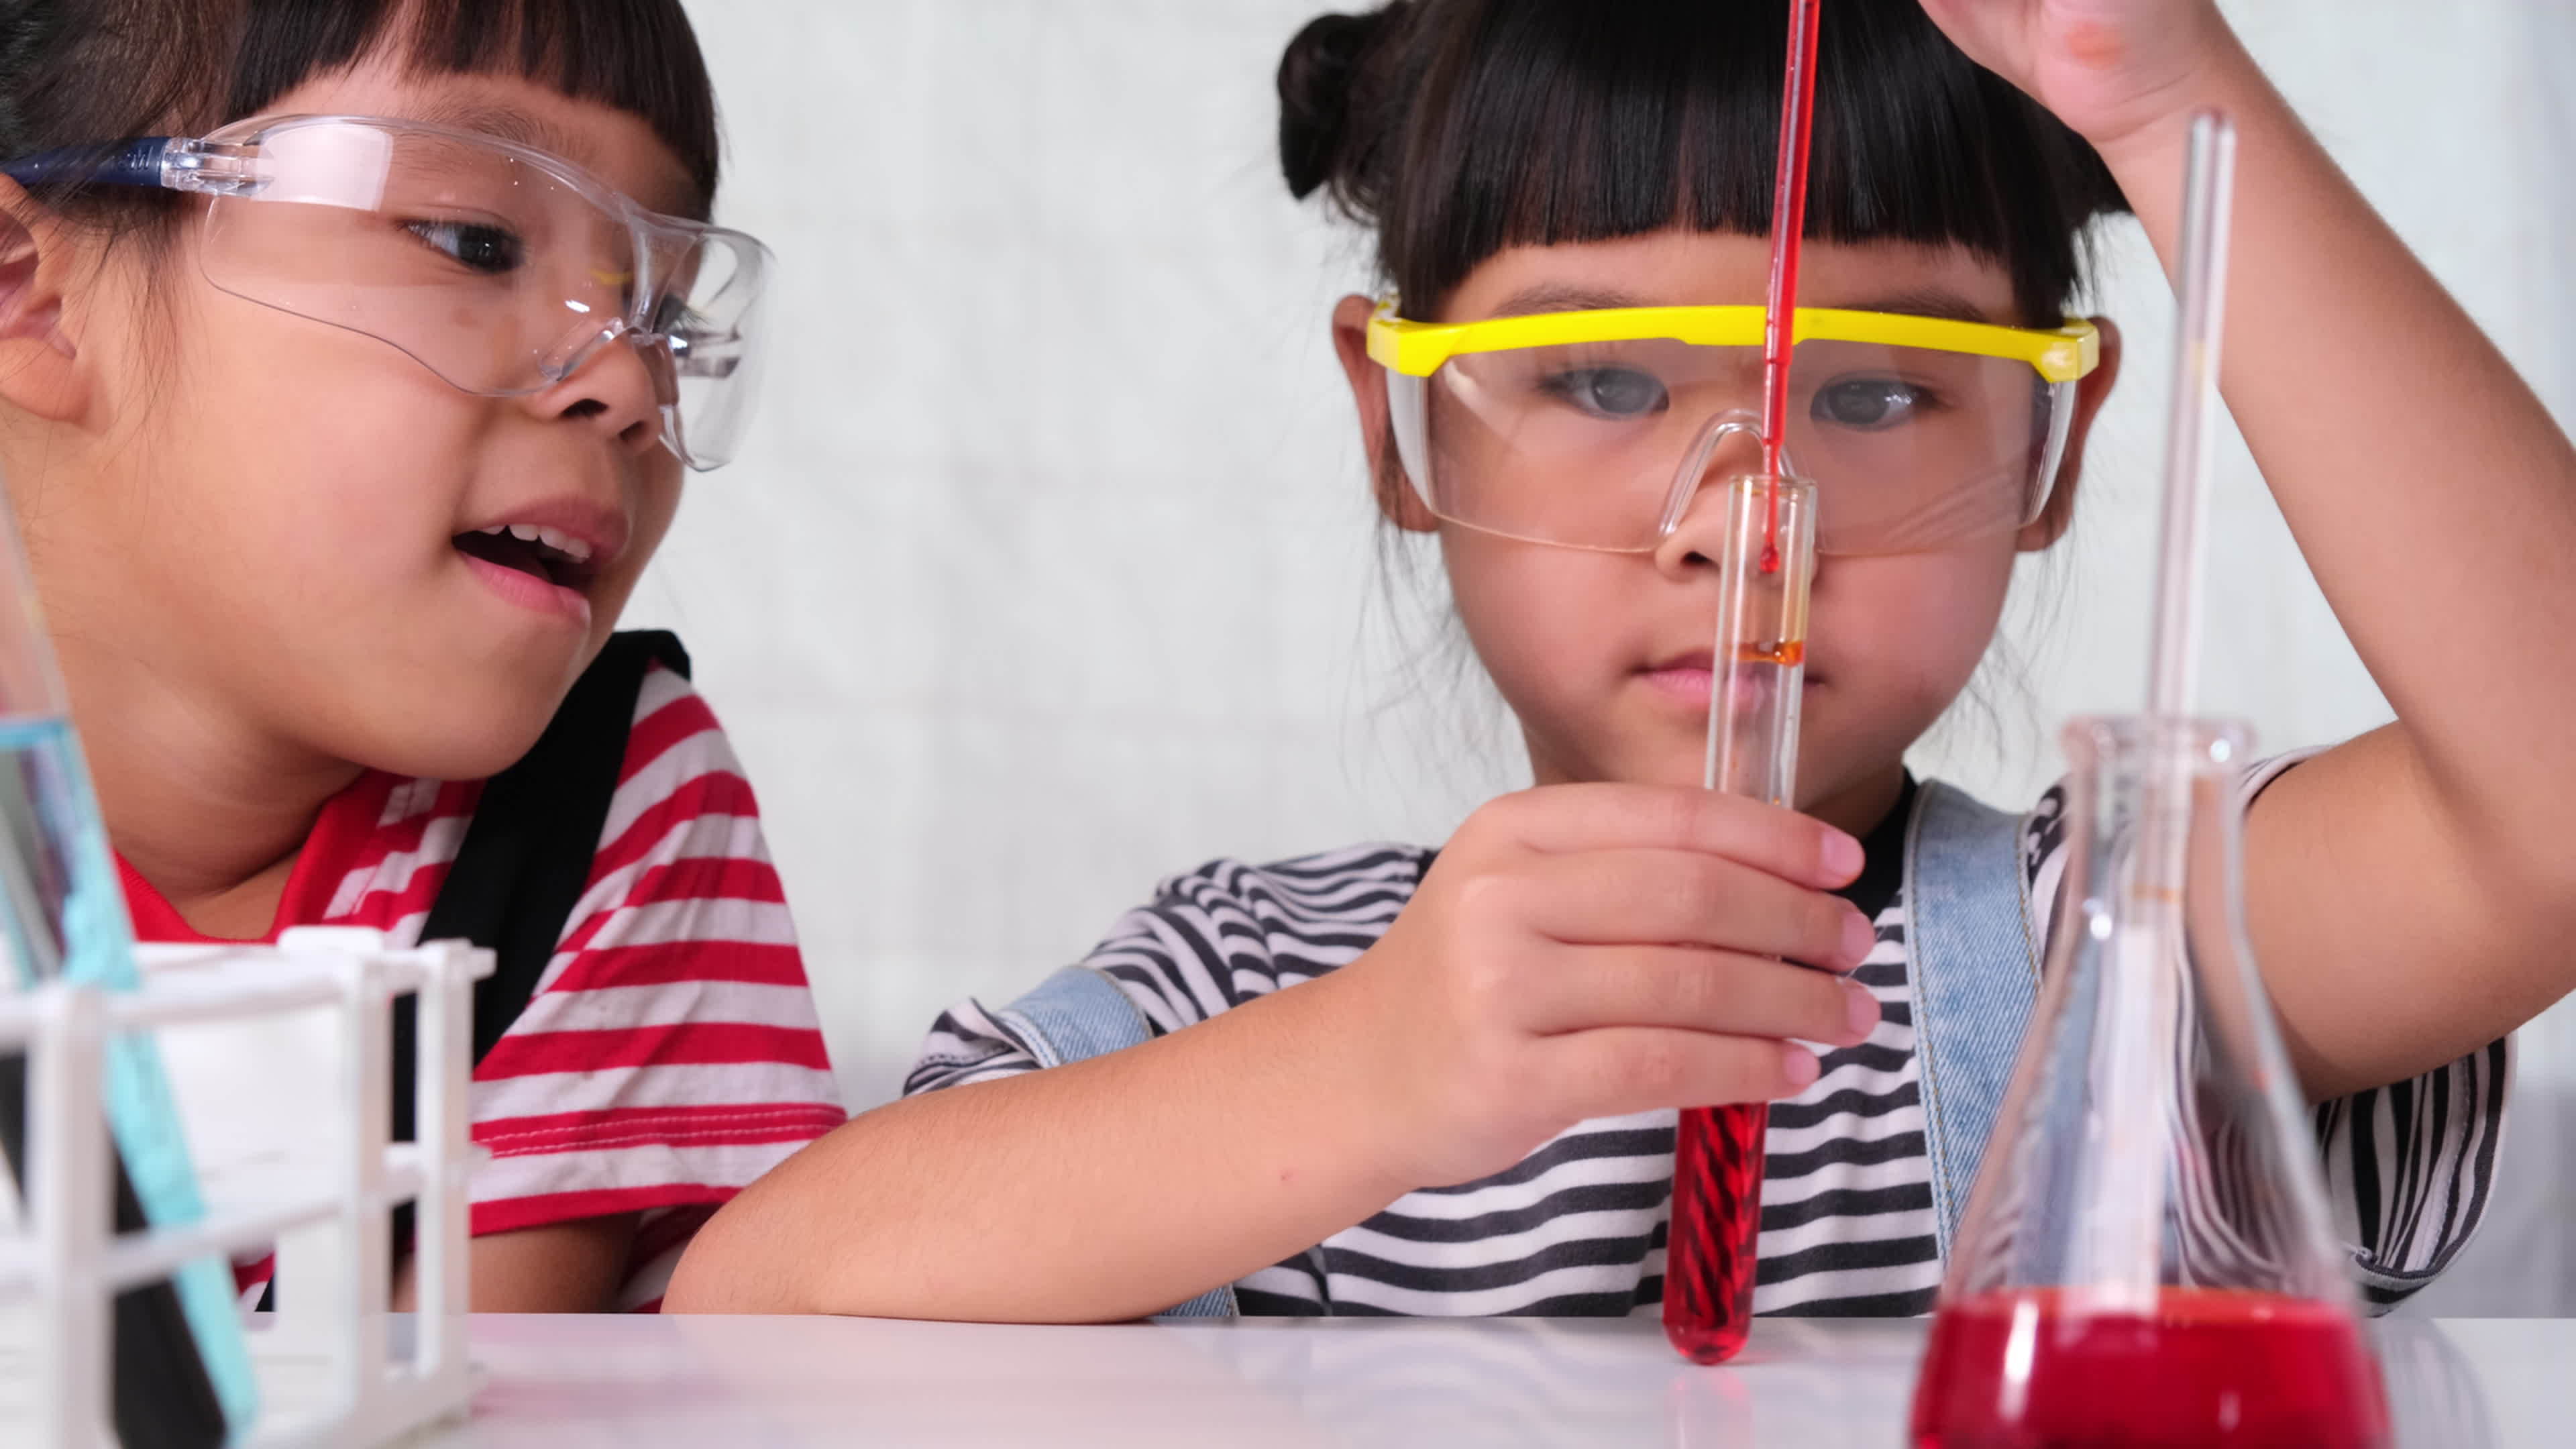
{"x": 2435, "y": 499}
{"x": 1102, "y": 1190}
{"x": 2429, "y": 489}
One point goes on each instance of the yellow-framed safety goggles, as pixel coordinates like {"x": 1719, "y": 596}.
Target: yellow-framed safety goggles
{"x": 1417, "y": 349}
{"x": 1594, "y": 429}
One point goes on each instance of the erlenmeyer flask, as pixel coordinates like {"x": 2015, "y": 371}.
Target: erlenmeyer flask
{"x": 2145, "y": 1259}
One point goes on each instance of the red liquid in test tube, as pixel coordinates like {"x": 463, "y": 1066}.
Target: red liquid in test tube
{"x": 1713, "y": 1242}
{"x": 1716, "y": 1232}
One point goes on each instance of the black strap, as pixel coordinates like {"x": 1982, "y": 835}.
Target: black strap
{"x": 162, "y": 1397}
{"x": 526, "y": 858}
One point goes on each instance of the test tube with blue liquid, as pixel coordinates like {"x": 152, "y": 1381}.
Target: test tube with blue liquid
{"x": 182, "y": 1374}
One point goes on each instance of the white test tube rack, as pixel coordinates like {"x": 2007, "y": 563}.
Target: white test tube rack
{"x": 331, "y": 1227}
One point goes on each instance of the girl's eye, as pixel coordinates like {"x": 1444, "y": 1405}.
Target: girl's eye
{"x": 1610, "y": 392}
{"x": 489, "y": 250}
{"x": 672, "y": 317}
{"x": 1869, "y": 402}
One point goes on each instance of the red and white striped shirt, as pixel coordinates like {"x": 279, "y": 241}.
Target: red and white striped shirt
{"x": 670, "y": 1054}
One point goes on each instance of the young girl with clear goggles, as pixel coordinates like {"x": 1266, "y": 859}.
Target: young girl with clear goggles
{"x": 351, "y": 352}
{"x": 1392, "y": 1080}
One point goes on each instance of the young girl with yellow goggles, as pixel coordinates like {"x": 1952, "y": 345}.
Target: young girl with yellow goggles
{"x": 1386, "y": 1079}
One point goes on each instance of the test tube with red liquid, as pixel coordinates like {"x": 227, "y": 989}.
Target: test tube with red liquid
{"x": 1757, "y": 679}
{"x": 1756, "y": 676}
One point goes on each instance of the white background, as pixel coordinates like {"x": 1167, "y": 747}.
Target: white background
{"x": 1050, "y": 571}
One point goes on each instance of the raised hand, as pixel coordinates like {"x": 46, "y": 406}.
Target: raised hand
{"x": 2110, "y": 69}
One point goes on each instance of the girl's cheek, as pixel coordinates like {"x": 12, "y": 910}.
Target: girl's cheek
{"x": 1915, "y": 624}
{"x": 332, "y": 465}
{"x": 1541, "y": 625}
{"x": 657, "y": 503}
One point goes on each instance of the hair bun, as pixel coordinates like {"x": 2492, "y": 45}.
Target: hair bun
{"x": 1317, "y": 80}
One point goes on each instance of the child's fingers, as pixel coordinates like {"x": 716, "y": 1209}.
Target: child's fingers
{"x": 1619, "y": 1070}
{"x": 1675, "y": 898}
{"x": 1698, "y": 990}
{"x": 1567, "y": 819}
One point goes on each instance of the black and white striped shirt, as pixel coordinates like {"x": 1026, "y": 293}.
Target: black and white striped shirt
{"x": 1578, "y": 1226}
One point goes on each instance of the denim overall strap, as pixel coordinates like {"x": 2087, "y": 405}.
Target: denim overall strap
{"x": 1973, "y": 970}
{"x": 1073, "y": 1016}
{"x": 1078, "y": 1014}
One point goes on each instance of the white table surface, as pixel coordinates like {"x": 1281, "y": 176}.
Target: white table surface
{"x": 712, "y": 1383}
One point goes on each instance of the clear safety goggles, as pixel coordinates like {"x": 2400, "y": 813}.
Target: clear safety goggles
{"x": 1595, "y": 429}
{"x": 501, "y": 269}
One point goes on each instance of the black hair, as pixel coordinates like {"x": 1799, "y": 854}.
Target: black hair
{"x": 83, "y": 72}
{"x": 1459, "y": 128}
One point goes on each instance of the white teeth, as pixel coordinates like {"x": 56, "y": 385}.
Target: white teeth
{"x": 565, "y": 544}
{"x": 577, "y": 550}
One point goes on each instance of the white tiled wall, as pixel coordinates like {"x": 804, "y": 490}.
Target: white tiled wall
{"x": 1051, "y": 572}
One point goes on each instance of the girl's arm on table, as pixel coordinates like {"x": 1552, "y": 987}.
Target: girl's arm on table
{"x": 1100, "y": 1190}
{"x": 2411, "y": 894}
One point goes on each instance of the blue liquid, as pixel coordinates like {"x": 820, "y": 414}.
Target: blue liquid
{"x": 62, "y": 911}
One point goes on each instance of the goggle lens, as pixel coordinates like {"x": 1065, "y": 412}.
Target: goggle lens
{"x": 492, "y": 271}
{"x": 1602, "y": 445}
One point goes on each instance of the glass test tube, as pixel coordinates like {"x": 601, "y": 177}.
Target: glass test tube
{"x": 1760, "y": 667}
{"x": 1757, "y": 673}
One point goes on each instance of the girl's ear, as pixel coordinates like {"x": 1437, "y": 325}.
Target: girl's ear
{"x": 40, "y": 365}
{"x": 2090, "y": 394}
{"x": 1396, "y": 498}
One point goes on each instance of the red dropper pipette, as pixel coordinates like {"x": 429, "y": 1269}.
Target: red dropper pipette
{"x": 1788, "y": 235}
{"x": 1713, "y": 1238}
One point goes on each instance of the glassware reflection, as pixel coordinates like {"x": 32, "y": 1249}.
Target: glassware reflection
{"x": 2434, "y": 1398}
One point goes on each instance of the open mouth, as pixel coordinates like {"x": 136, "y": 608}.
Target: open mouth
{"x": 543, "y": 553}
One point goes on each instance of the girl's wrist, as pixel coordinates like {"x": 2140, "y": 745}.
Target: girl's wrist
{"x": 1350, "y": 1084}
{"x": 2222, "y": 75}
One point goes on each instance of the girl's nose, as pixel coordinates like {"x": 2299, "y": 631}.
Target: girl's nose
{"x": 618, "y": 389}
{"x": 1699, "y": 538}
{"x": 1728, "y": 448}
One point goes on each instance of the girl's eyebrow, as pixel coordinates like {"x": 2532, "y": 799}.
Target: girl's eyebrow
{"x": 526, "y": 128}
{"x": 508, "y": 123}
{"x": 1937, "y": 302}
{"x": 1560, "y": 297}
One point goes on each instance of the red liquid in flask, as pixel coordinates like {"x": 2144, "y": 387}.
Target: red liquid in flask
{"x": 1713, "y": 1244}
{"x": 2204, "y": 1367}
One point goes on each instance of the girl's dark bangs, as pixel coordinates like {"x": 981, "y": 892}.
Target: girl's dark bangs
{"x": 1567, "y": 123}
{"x": 637, "y": 56}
